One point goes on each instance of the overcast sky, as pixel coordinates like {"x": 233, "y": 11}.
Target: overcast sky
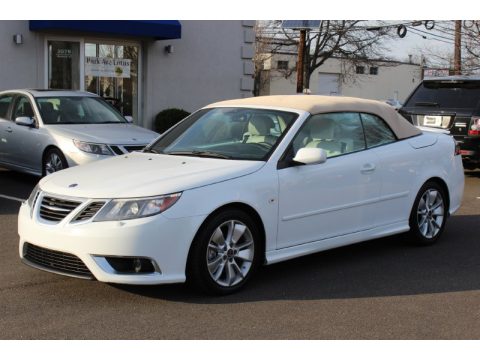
{"x": 438, "y": 41}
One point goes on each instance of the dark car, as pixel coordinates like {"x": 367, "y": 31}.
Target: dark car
{"x": 451, "y": 103}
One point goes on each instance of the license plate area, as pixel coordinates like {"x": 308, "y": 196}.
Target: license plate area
{"x": 438, "y": 121}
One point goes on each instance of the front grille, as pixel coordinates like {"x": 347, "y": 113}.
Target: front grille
{"x": 124, "y": 149}
{"x": 116, "y": 149}
{"x": 55, "y": 210}
{"x": 56, "y": 261}
{"x": 89, "y": 211}
{"x": 131, "y": 148}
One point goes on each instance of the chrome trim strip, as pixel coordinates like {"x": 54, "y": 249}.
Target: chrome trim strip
{"x": 54, "y": 208}
{"x": 342, "y": 207}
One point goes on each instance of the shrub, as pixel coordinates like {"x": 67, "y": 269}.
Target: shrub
{"x": 165, "y": 119}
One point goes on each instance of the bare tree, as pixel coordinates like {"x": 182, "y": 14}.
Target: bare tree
{"x": 471, "y": 43}
{"x": 349, "y": 39}
{"x": 268, "y": 42}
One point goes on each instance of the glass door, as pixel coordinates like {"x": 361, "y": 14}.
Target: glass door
{"x": 111, "y": 71}
{"x": 64, "y": 65}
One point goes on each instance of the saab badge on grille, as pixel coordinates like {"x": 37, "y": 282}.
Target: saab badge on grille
{"x": 72, "y": 185}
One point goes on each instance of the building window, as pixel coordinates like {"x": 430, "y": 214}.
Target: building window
{"x": 111, "y": 71}
{"x": 282, "y": 65}
{"x": 64, "y": 65}
{"x": 373, "y": 70}
{"x": 360, "y": 69}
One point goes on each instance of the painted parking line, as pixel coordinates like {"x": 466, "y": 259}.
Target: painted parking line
{"x": 12, "y": 198}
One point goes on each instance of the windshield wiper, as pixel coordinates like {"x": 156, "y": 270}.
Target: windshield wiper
{"x": 148, "y": 150}
{"x": 426, "y": 103}
{"x": 198, "y": 153}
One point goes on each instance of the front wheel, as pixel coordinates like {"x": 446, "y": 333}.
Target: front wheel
{"x": 53, "y": 161}
{"x": 429, "y": 214}
{"x": 225, "y": 253}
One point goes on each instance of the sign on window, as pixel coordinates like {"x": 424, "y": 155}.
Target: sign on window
{"x": 107, "y": 67}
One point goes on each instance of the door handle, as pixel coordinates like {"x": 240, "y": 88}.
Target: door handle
{"x": 367, "y": 168}
{"x": 8, "y": 129}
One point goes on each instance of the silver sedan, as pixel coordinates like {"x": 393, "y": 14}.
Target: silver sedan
{"x": 43, "y": 131}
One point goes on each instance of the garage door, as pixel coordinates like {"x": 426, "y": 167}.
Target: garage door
{"x": 328, "y": 84}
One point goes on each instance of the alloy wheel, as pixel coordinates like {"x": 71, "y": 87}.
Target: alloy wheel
{"x": 430, "y": 213}
{"x": 230, "y": 253}
{"x": 53, "y": 164}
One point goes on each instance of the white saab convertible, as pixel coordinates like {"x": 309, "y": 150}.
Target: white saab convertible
{"x": 242, "y": 183}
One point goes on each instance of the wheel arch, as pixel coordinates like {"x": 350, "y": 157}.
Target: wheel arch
{"x": 444, "y": 186}
{"x": 238, "y": 206}
{"x": 49, "y": 147}
{"x": 44, "y": 154}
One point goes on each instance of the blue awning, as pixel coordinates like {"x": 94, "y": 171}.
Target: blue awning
{"x": 157, "y": 29}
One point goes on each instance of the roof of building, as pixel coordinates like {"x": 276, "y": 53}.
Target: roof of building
{"x": 317, "y": 104}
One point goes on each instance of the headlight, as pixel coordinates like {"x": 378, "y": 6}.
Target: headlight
{"x": 99, "y": 149}
{"x": 125, "y": 209}
{"x": 32, "y": 198}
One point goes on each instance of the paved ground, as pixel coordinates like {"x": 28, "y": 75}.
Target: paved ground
{"x": 381, "y": 289}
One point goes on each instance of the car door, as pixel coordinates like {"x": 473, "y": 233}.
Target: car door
{"x": 396, "y": 166}
{"x": 5, "y": 127}
{"x": 25, "y": 145}
{"x": 334, "y": 198}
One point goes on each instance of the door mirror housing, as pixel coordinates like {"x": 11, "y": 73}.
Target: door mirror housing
{"x": 310, "y": 156}
{"x": 25, "y": 121}
{"x": 129, "y": 119}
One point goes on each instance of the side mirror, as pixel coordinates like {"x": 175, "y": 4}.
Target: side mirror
{"x": 25, "y": 121}
{"x": 129, "y": 119}
{"x": 310, "y": 156}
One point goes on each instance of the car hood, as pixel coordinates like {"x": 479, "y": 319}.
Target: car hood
{"x": 112, "y": 134}
{"x": 144, "y": 174}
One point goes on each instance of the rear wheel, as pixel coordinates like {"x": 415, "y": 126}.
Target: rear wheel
{"x": 429, "y": 214}
{"x": 53, "y": 161}
{"x": 225, "y": 253}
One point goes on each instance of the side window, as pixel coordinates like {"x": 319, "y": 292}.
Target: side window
{"x": 377, "y": 131}
{"x": 336, "y": 133}
{"x": 22, "y": 108}
{"x": 5, "y": 102}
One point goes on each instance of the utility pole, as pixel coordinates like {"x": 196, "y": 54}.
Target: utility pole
{"x": 457, "y": 61}
{"x": 300, "y": 61}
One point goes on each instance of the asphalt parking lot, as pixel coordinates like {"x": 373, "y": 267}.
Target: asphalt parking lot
{"x": 382, "y": 289}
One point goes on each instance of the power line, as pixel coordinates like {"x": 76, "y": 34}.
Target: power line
{"x": 425, "y": 37}
{"x": 429, "y": 33}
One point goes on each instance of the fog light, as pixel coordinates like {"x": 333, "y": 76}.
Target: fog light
{"x": 137, "y": 265}
{"x": 130, "y": 265}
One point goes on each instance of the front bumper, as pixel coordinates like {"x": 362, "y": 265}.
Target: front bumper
{"x": 166, "y": 241}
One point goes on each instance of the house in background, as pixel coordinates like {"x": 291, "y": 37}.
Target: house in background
{"x": 374, "y": 79}
{"x": 140, "y": 66}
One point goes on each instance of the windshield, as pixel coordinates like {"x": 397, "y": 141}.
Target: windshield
{"x": 77, "y": 110}
{"x": 446, "y": 95}
{"x": 227, "y": 133}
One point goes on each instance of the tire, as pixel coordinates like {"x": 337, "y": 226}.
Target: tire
{"x": 53, "y": 161}
{"x": 428, "y": 218}
{"x": 220, "y": 263}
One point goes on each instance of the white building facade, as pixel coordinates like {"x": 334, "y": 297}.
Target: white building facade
{"x": 142, "y": 67}
{"x": 377, "y": 80}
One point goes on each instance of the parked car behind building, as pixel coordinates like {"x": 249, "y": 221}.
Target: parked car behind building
{"x": 451, "y": 103}
{"x": 44, "y": 131}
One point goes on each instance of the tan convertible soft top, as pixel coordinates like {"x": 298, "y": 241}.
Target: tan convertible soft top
{"x": 316, "y": 104}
